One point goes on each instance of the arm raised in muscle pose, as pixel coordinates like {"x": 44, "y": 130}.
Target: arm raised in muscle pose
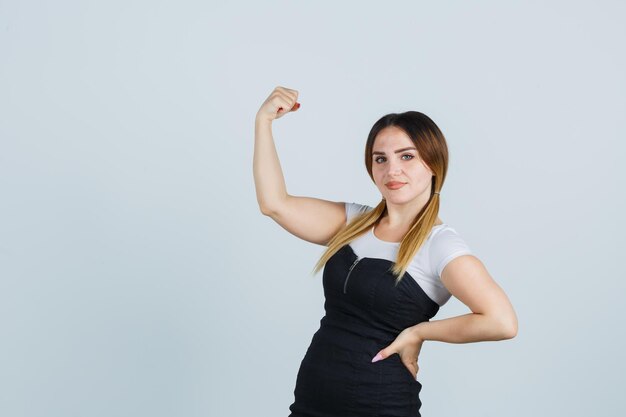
{"x": 312, "y": 219}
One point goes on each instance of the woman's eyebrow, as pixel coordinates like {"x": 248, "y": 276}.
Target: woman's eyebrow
{"x": 398, "y": 151}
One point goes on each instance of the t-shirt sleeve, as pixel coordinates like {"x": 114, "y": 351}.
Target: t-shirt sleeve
{"x": 445, "y": 246}
{"x": 353, "y": 209}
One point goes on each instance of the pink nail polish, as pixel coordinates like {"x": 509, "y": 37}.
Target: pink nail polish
{"x": 377, "y": 357}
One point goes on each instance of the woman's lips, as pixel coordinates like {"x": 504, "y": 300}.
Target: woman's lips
{"x": 395, "y": 185}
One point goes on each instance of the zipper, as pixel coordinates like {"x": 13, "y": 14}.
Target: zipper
{"x": 349, "y": 272}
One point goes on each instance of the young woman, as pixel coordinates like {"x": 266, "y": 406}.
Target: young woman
{"x": 387, "y": 270}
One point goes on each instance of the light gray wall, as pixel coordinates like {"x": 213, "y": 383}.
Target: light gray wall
{"x": 137, "y": 275}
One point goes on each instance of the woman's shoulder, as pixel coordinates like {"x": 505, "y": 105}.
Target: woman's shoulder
{"x": 446, "y": 243}
{"x": 354, "y": 209}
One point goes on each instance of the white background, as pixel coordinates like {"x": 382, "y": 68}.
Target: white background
{"x": 138, "y": 276}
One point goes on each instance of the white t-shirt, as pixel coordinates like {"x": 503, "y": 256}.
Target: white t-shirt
{"x": 442, "y": 245}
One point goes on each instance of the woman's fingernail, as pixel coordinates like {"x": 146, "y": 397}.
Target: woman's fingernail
{"x": 377, "y": 357}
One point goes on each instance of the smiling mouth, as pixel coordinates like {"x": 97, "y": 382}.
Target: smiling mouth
{"x": 395, "y": 185}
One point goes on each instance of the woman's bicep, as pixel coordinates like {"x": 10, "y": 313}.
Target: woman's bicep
{"x": 468, "y": 280}
{"x": 312, "y": 219}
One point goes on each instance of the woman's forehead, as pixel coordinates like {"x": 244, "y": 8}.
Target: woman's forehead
{"x": 390, "y": 139}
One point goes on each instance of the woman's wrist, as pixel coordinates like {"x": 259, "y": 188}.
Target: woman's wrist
{"x": 417, "y": 331}
{"x": 259, "y": 121}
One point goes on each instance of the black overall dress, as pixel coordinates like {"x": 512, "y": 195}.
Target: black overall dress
{"x": 364, "y": 313}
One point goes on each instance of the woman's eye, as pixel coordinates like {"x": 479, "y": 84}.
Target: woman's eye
{"x": 406, "y": 154}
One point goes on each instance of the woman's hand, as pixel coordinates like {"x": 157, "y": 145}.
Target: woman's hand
{"x": 280, "y": 102}
{"x": 408, "y": 345}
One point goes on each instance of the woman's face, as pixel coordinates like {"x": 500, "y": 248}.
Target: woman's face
{"x": 389, "y": 164}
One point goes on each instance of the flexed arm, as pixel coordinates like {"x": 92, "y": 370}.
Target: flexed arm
{"x": 312, "y": 219}
{"x": 268, "y": 175}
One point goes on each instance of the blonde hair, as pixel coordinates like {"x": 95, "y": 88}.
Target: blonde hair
{"x": 433, "y": 150}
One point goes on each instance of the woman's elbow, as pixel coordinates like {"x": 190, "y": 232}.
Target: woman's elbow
{"x": 509, "y": 328}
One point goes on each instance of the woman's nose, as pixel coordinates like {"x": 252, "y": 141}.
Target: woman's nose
{"x": 394, "y": 169}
